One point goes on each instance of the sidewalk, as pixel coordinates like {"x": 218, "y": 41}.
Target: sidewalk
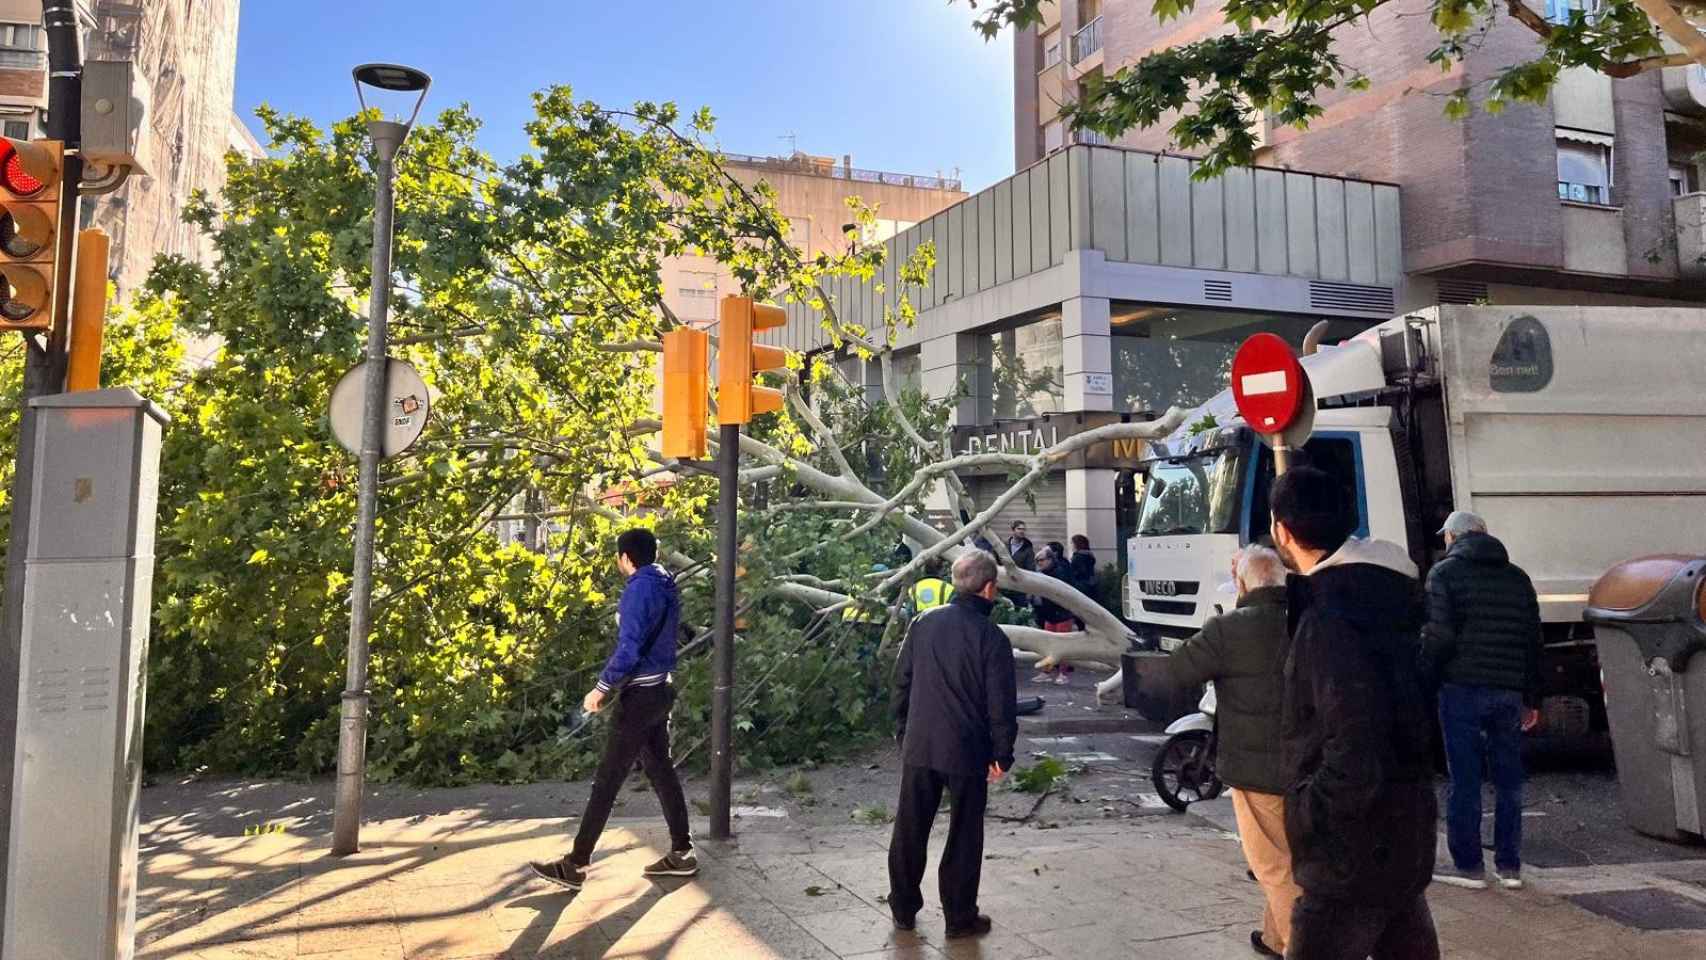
{"x": 455, "y": 886}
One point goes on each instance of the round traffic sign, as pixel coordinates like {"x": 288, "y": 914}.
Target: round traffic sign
{"x": 407, "y": 406}
{"x": 1267, "y": 383}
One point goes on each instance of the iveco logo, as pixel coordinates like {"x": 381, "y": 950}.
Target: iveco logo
{"x": 1159, "y": 588}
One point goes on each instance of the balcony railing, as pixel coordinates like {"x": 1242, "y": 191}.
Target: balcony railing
{"x": 1087, "y": 40}
{"x": 827, "y": 167}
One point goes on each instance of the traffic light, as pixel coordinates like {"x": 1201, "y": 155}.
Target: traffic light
{"x": 30, "y": 174}
{"x": 739, "y": 360}
{"x": 686, "y": 358}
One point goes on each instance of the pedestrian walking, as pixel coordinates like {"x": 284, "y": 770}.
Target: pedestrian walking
{"x": 954, "y": 694}
{"x": 638, "y": 675}
{"x": 1482, "y": 643}
{"x": 1360, "y": 809}
{"x": 1242, "y": 652}
{"x": 1052, "y": 616}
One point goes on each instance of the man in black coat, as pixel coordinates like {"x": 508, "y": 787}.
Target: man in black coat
{"x": 1482, "y": 642}
{"x": 1360, "y": 810}
{"x": 955, "y": 717}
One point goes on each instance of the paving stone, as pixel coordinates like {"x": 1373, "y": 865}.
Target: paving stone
{"x": 858, "y": 930}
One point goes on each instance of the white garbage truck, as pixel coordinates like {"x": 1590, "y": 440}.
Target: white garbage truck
{"x": 1579, "y": 433}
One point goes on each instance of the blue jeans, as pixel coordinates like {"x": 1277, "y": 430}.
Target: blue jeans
{"x": 1483, "y": 727}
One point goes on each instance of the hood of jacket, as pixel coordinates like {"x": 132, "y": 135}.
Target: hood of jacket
{"x": 1480, "y": 548}
{"x": 1380, "y": 553}
{"x": 1371, "y": 583}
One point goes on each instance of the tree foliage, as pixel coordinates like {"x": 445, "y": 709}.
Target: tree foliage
{"x": 515, "y": 280}
{"x": 1278, "y": 56}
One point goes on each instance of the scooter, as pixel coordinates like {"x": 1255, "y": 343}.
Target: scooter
{"x": 1184, "y": 768}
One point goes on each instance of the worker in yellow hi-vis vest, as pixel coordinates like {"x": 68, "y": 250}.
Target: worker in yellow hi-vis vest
{"x": 931, "y": 590}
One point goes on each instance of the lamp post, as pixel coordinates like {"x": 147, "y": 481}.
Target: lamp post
{"x": 387, "y": 136}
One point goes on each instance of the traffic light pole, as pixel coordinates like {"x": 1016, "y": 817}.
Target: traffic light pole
{"x": 723, "y": 659}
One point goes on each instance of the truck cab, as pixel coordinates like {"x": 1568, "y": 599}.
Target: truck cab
{"x": 1206, "y": 493}
{"x": 1205, "y": 502}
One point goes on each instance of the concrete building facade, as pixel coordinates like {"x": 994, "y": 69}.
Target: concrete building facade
{"x": 812, "y": 192}
{"x": 1593, "y": 197}
{"x": 1104, "y": 283}
{"x": 187, "y": 55}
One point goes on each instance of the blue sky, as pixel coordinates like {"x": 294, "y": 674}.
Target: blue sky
{"x": 902, "y": 85}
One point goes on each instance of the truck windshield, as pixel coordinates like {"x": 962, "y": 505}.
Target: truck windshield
{"x": 1198, "y": 494}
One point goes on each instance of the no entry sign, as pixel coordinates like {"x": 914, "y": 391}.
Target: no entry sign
{"x": 1267, "y": 383}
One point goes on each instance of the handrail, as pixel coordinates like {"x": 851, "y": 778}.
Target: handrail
{"x": 826, "y": 167}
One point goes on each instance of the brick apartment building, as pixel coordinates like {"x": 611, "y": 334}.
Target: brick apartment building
{"x": 812, "y": 193}
{"x": 187, "y": 55}
{"x": 1592, "y": 197}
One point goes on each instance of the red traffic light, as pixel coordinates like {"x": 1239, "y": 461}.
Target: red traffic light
{"x": 14, "y": 176}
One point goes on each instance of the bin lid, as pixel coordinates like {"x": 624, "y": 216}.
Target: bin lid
{"x": 1635, "y": 583}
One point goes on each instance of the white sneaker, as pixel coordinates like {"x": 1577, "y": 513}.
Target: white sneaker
{"x": 1464, "y": 879}
{"x": 1043, "y": 678}
{"x": 1509, "y": 881}
{"x": 1062, "y": 680}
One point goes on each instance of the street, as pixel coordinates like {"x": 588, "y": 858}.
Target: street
{"x": 239, "y": 870}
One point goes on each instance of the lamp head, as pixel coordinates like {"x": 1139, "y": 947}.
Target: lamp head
{"x": 395, "y": 82}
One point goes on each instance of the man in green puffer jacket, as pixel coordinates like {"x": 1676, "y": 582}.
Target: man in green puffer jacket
{"x": 1243, "y": 652}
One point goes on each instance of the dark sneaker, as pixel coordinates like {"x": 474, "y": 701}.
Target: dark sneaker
{"x": 1261, "y": 946}
{"x": 905, "y": 923}
{"x": 976, "y": 928}
{"x": 562, "y": 873}
{"x": 1508, "y": 879}
{"x": 1462, "y": 879}
{"x": 680, "y": 863}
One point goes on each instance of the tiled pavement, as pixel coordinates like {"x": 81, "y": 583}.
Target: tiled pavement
{"x": 456, "y": 887}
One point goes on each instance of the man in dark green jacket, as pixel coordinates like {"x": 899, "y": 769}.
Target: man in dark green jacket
{"x": 1243, "y": 653}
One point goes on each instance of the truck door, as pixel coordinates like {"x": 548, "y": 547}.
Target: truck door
{"x": 1339, "y": 453}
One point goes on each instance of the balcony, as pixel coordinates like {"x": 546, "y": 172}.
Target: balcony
{"x": 1685, "y": 89}
{"x": 1691, "y": 235}
{"x": 1087, "y": 41}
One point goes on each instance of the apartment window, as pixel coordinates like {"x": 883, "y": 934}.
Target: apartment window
{"x": 20, "y": 45}
{"x": 18, "y": 129}
{"x": 1051, "y": 49}
{"x": 1562, "y": 11}
{"x": 1054, "y": 136}
{"x": 1584, "y": 166}
{"x": 1684, "y": 178}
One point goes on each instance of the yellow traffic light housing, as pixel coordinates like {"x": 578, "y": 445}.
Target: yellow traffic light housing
{"x": 686, "y": 362}
{"x": 739, "y": 359}
{"x": 30, "y": 176}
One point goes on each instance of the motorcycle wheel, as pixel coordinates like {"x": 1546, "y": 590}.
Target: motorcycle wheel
{"x": 1183, "y": 771}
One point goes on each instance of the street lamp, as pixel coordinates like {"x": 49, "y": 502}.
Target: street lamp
{"x": 387, "y": 134}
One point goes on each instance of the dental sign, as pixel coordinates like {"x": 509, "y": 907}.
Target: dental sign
{"x": 1267, "y": 383}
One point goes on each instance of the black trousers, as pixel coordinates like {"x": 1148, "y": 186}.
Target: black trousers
{"x": 962, "y": 860}
{"x": 1329, "y": 930}
{"x": 639, "y": 729}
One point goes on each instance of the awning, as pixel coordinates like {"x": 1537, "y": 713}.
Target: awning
{"x": 1585, "y": 136}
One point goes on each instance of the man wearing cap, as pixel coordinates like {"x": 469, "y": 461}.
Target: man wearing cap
{"x": 1482, "y": 645}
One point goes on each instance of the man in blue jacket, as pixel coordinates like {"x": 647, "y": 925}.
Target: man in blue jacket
{"x": 648, "y": 621}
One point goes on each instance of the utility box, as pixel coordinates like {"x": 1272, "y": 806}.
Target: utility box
{"x": 88, "y": 575}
